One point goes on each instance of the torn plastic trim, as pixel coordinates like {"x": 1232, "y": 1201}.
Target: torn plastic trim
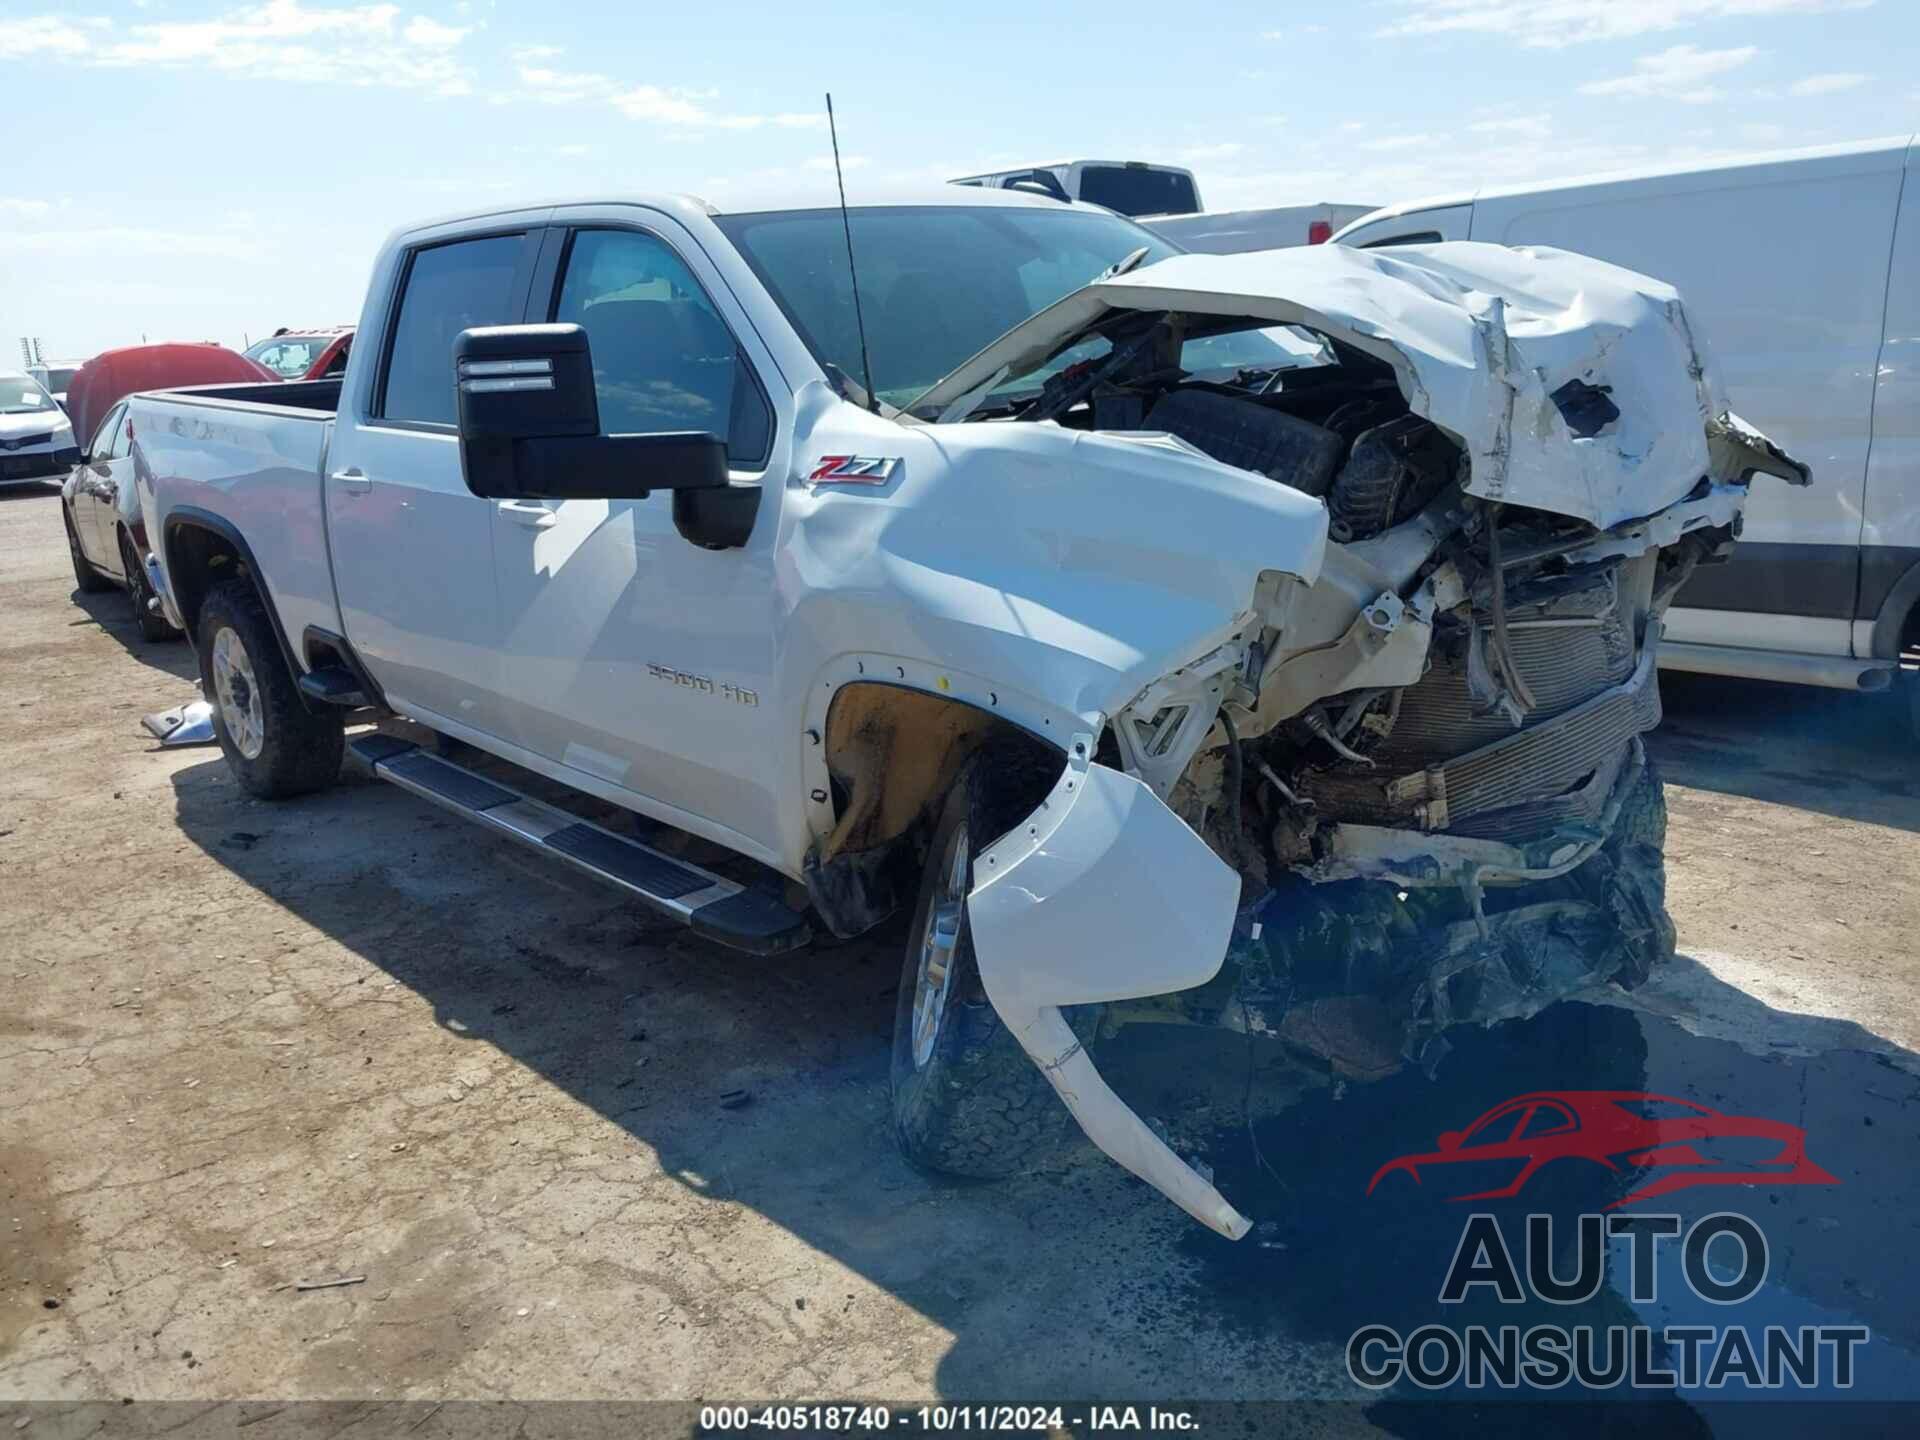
{"x": 1740, "y": 450}
{"x": 1719, "y": 508}
{"x": 1102, "y": 894}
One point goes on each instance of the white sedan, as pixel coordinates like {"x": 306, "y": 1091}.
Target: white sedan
{"x": 36, "y": 439}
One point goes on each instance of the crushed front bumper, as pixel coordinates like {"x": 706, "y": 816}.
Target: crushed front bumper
{"x": 1102, "y": 894}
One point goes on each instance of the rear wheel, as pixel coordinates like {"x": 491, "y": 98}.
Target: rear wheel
{"x": 85, "y": 578}
{"x": 277, "y": 747}
{"x": 146, "y": 610}
{"x": 967, "y": 1100}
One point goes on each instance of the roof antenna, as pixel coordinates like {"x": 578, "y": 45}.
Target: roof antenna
{"x": 846, "y": 224}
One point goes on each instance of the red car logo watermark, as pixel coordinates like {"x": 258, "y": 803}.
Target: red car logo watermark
{"x": 1681, "y": 1143}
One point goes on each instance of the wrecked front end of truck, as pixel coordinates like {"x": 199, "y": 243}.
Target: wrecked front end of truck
{"x": 1409, "y": 791}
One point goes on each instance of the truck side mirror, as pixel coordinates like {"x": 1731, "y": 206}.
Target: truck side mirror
{"x": 530, "y": 425}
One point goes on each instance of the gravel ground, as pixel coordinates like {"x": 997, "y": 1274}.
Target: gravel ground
{"x": 245, "y": 1046}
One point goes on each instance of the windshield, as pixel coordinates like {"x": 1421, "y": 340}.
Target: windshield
{"x": 938, "y": 284}
{"x": 1136, "y": 190}
{"x": 59, "y": 379}
{"x": 290, "y": 356}
{"x": 22, "y": 395}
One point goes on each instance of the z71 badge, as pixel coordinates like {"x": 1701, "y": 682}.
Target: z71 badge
{"x": 854, "y": 469}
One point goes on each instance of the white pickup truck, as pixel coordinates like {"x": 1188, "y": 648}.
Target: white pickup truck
{"x": 1258, "y": 639}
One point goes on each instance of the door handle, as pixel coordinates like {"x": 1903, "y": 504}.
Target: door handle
{"x": 354, "y": 482}
{"x": 531, "y": 514}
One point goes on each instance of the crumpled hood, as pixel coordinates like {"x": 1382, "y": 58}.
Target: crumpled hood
{"x": 39, "y": 422}
{"x": 1481, "y": 339}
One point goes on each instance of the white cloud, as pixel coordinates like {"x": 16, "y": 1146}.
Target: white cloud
{"x": 432, "y": 35}
{"x": 1678, "y": 73}
{"x": 46, "y": 35}
{"x": 359, "y": 45}
{"x": 26, "y": 209}
{"x": 1554, "y": 24}
{"x": 679, "y": 109}
{"x": 1830, "y": 83}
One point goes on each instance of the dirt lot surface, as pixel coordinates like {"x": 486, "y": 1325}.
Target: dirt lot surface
{"x": 245, "y": 1046}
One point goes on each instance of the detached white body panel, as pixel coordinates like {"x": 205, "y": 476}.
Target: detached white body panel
{"x": 1104, "y": 895}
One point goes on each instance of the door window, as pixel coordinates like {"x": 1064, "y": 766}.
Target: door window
{"x": 663, "y": 360}
{"x": 107, "y": 437}
{"x": 449, "y": 288}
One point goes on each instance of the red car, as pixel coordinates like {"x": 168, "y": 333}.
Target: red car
{"x": 1683, "y": 1143}
{"x": 304, "y": 354}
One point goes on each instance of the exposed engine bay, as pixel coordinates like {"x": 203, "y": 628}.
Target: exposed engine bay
{"x": 1420, "y": 764}
{"x": 1413, "y": 760}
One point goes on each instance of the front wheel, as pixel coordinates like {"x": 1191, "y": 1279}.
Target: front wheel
{"x": 153, "y": 623}
{"x": 276, "y": 746}
{"x": 967, "y": 1100}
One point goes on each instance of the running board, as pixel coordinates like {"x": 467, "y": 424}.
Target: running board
{"x": 706, "y": 903}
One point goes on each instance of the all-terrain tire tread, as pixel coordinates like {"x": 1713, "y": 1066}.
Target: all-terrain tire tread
{"x": 303, "y": 748}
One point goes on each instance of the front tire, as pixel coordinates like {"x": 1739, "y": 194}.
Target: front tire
{"x": 276, "y": 746}
{"x": 967, "y": 1100}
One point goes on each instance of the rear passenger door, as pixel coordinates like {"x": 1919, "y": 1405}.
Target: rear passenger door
{"x": 412, "y": 546}
{"x": 630, "y": 656}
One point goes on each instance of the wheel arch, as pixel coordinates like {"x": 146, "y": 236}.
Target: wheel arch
{"x": 883, "y": 751}
{"x": 1899, "y": 615}
{"x": 201, "y": 550}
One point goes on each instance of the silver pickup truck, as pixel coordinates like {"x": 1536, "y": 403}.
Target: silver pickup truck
{"x": 1255, "y": 639}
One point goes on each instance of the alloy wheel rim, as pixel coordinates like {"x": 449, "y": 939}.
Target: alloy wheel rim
{"x": 237, "y": 694}
{"x": 939, "y": 947}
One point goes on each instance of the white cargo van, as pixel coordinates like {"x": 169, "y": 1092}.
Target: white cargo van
{"x": 1803, "y": 271}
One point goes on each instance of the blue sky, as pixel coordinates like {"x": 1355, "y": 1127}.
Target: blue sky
{"x": 187, "y": 170}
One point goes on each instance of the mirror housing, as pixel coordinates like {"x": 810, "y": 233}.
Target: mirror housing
{"x": 1450, "y": 1140}
{"x": 530, "y": 425}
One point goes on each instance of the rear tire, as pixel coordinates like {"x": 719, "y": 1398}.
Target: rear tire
{"x": 86, "y": 579}
{"x": 276, "y": 746}
{"x": 967, "y": 1100}
{"x": 154, "y": 625}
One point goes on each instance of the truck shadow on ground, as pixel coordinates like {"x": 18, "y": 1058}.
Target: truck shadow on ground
{"x": 1075, "y": 1283}
{"x": 111, "y": 612}
{"x": 1833, "y": 752}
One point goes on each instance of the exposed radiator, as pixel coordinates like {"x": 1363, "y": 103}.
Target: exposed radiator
{"x": 1444, "y": 766}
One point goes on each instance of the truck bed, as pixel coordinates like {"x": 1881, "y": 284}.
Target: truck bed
{"x": 248, "y": 461}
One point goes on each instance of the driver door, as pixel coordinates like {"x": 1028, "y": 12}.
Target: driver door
{"x": 628, "y": 654}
